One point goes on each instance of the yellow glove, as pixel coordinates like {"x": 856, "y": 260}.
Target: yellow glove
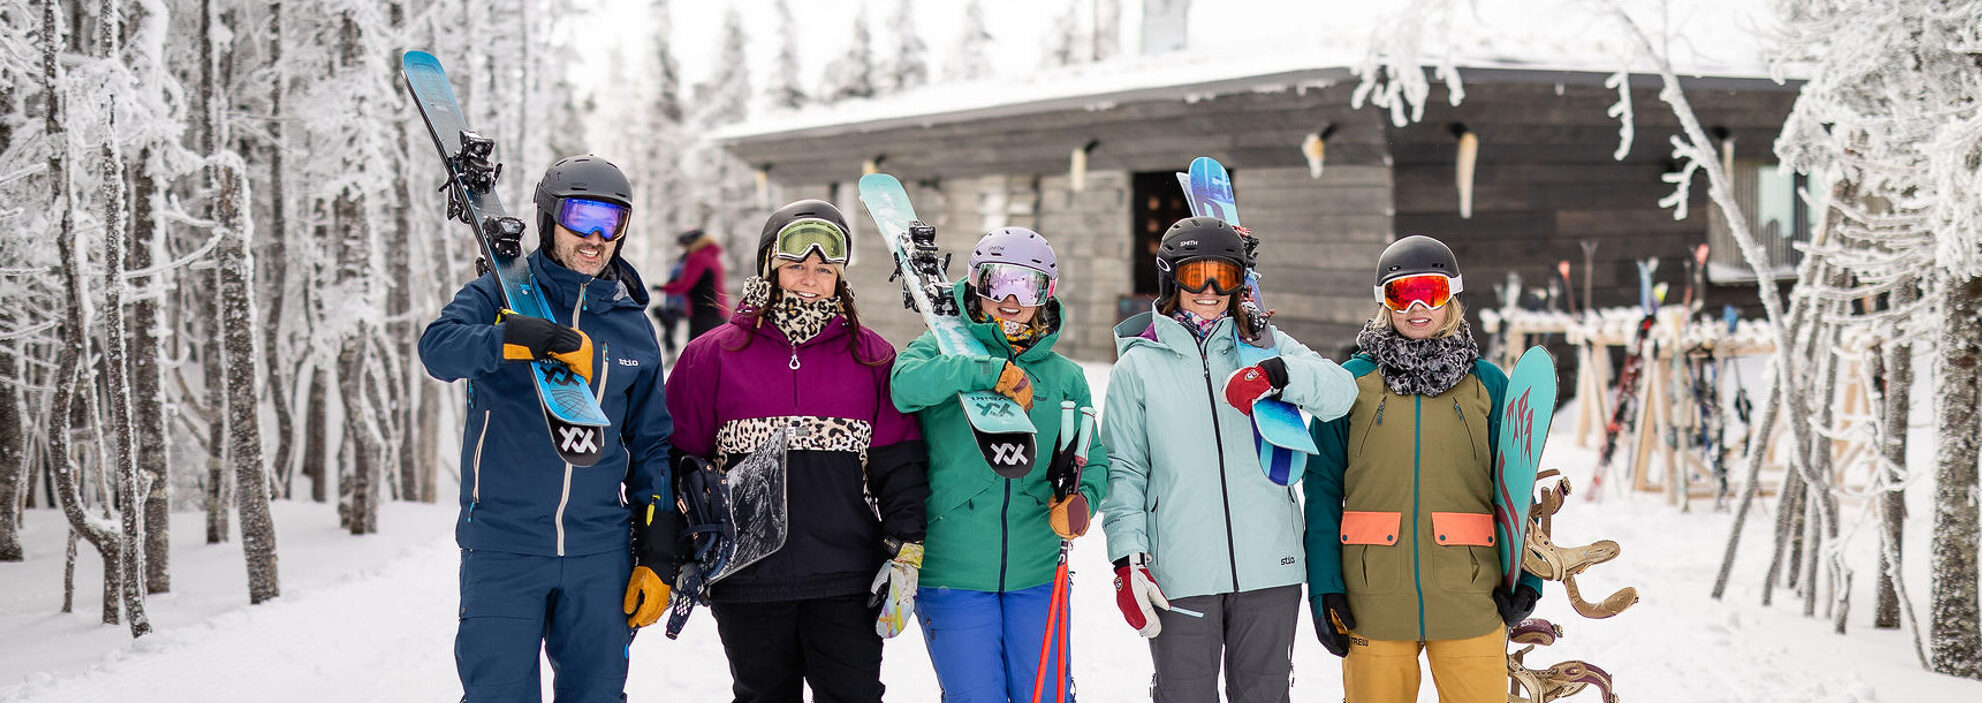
{"x": 1013, "y": 384}
{"x": 1069, "y": 517}
{"x": 646, "y": 597}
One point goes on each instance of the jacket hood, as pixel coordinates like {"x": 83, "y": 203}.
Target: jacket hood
{"x": 994, "y": 338}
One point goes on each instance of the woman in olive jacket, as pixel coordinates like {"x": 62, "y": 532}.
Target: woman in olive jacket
{"x": 1400, "y": 547}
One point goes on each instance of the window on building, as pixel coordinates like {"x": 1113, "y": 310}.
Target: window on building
{"x": 1159, "y": 202}
{"x": 1779, "y": 216}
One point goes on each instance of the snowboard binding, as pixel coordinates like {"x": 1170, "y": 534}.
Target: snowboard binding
{"x": 1559, "y": 681}
{"x": 1553, "y": 563}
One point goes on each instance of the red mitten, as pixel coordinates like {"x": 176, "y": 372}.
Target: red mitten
{"x": 1138, "y": 596}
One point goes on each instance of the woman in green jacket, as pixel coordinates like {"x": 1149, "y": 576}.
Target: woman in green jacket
{"x": 1189, "y": 505}
{"x": 994, "y": 543}
{"x": 1401, "y": 558}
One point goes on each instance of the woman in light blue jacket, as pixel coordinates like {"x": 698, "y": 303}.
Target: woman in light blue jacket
{"x": 1189, "y": 506}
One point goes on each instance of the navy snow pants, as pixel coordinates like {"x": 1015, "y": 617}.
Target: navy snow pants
{"x": 985, "y": 645}
{"x": 513, "y": 605}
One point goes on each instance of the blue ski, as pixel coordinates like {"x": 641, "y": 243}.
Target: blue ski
{"x": 571, "y": 411}
{"x": 1279, "y": 431}
{"x": 1004, "y": 433}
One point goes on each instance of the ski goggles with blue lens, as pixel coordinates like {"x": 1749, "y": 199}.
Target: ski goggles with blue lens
{"x": 805, "y": 235}
{"x": 588, "y": 217}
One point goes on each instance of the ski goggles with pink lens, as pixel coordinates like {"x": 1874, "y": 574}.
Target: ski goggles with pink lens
{"x": 588, "y": 217}
{"x": 997, "y": 281}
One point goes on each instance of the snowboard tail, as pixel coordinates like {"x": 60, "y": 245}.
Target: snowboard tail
{"x": 571, "y": 411}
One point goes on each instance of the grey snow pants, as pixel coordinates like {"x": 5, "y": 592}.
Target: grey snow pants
{"x": 1251, "y": 633}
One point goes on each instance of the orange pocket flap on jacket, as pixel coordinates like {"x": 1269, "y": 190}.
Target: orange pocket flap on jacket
{"x": 1361, "y": 527}
{"x": 1471, "y": 529}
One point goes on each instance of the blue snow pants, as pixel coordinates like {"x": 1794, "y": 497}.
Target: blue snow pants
{"x": 985, "y": 645}
{"x": 513, "y": 605}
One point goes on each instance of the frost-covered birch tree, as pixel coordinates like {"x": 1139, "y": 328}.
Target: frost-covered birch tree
{"x": 970, "y": 58}
{"x": 852, "y": 75}
{"x": 782, "y": 89}
{"x": 1894, "y": 108}
{"x": 910, "y": 65}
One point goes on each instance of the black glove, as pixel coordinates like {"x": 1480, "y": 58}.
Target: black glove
{"x": 1334, "y": 606}
{"x": 540, "y": 336}
{"x": 1276, "y": 373}
{"x": 657, "y": 539}
{"x": 1516, "y": 606}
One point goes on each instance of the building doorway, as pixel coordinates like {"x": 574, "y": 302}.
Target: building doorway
{"x": 1159, "y": 203}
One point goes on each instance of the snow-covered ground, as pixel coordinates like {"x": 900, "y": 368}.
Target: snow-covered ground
{"x": 371, "y": 619}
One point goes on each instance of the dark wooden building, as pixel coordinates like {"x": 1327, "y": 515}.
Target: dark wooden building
{"x": 1094, "y": 173}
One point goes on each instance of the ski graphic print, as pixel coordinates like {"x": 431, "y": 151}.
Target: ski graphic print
{"x": 571, "y": 411}
{"x": 1004, "y": 433}
{"x": 1525, "y": 413}
{"x": 1279, "y": 431}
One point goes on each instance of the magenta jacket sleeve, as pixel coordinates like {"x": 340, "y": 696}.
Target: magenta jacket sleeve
{"x": 691, "y": 391}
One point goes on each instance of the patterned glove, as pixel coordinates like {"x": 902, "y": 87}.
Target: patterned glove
{"x": 1246, "y": 386}
{"x": 1069, "y": 517}
{"x": 1013, "y": 384}
{"x": 1138, "y": 596}
{"x": 894, "y": 587}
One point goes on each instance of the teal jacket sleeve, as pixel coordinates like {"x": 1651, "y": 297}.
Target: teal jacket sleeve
{"x": 925, "y": 377}
{"x": 1323, "y": 488}
{"x": 1123, "y": 428}
{"x": 1318, "y": 385}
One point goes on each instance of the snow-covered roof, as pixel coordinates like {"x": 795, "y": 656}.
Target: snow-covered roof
{"x": 1314, "y": 44}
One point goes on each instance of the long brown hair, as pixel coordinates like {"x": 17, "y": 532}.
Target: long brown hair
{"x": 1240, "y": 316}
{"x": 754, "y": 317}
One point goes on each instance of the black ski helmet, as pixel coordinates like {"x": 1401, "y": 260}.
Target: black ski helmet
{"x": 586, "y": 176}
{"x": 1196, "y": 238}
{"x": 1416, "y": 254}
{"x": 793, "y": 212}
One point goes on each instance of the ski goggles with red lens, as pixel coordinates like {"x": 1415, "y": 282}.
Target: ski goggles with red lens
{"x": 1432, "y": 290}
{"x": 997, "y": 281}
{"x": 808, "y": 234}
{"x": 1220, "y": 276}
{"x": 588, "y": 217}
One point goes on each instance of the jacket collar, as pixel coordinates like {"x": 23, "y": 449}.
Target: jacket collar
{"x": 1154, "y": 329}
{"x": 561, "y": 285}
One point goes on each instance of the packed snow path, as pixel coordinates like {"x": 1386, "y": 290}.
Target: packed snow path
{"x": 372, "y": 619}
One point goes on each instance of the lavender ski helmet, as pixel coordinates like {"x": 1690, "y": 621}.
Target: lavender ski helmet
{"x": 1015, "y": 245}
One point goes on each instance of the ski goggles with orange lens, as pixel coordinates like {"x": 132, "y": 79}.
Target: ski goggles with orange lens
{"x": 1432, "y": 290}
{"x": 807, "y": 234}
{"x": 997, "y": 281}
{"x": 588, "y": 217}
{"x": 1219, "y": 275}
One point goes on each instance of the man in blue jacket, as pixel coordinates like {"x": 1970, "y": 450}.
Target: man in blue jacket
{"x": 557, "y": 558}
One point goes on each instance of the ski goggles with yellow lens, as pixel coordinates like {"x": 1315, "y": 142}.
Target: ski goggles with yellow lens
{"x": 997, "y": 281}
{"x": 1432, "y": 290}
{"x": 588, "y": 217}
{"x": 1221, "y": 276}
{"x": 805, "y": 235}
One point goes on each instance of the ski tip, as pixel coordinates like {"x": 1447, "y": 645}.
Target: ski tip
{"x": 878, "y": 179}
{"x": 418, "y": 57}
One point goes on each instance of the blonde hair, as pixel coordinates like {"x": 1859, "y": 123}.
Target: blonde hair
{"x": 1455, "y": 316}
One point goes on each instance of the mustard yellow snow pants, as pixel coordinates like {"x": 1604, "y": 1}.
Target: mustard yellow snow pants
{"x": 1471, "y": 670}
